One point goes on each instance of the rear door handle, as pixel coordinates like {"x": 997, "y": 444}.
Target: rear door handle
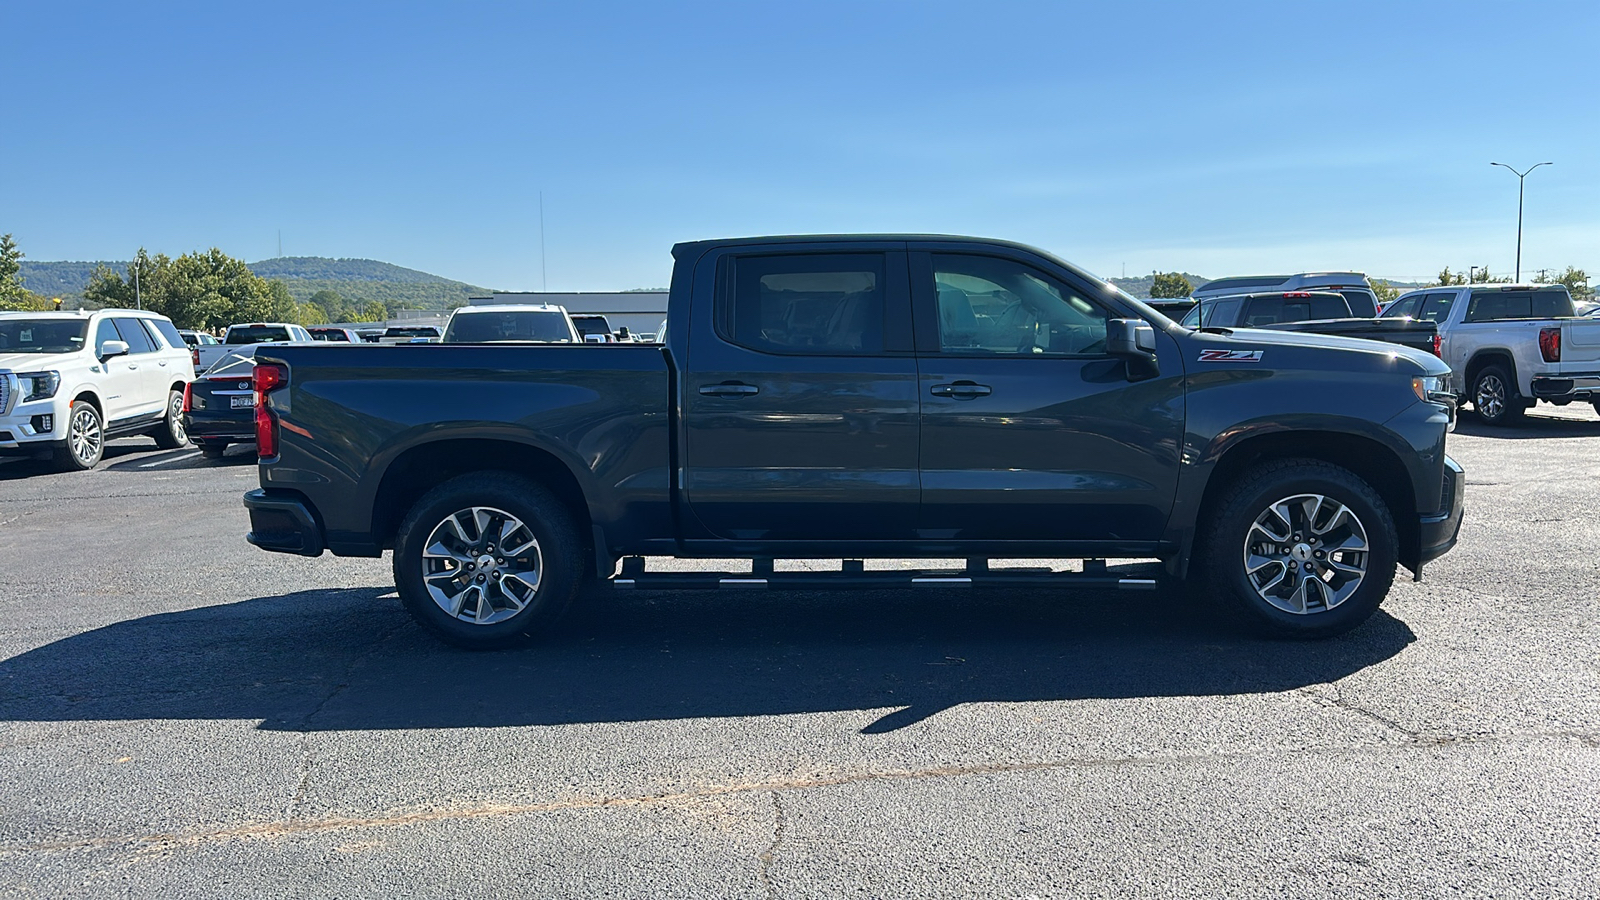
{"x": 729, "y": 389}
{"x": 961, "y": 390}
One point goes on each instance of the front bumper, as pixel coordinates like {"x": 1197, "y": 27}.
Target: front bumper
{"x": 1441, "y": 530}
{"x": 283, "y": 523}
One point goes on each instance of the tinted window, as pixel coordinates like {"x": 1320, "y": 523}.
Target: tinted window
{"x": 257, "y": 334}
{"x": 42, "y": 335}
{"x": 1363, "y": 304}
{"x": 1436, "y": 307}
{"x": 168, "y": 331}
{"x": 1488, "y": 306}
{"x": 1406, "y": 306}
{"x": 130, "y": 331}
{"x": 1333, "y": 308}
{"x": 989, "y": 305}
{"x": 428, "y": 331}
{"x": 822, "y": 304}
{"x": 587, "y": 325}
{"x": 526, "y": 325}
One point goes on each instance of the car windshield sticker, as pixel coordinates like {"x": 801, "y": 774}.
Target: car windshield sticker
{"x": 1230, "y": 356}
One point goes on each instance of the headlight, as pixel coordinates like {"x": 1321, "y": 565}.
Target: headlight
{"x": 38, "y": 385}
{"x": 1426, "y": 387}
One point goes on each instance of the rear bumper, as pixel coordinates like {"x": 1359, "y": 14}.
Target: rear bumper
{"x": 1441, "y": 531}
{"x": 283, "y": 523}
{"x": 1577, "y": 386}
{"x": 227, "y": 427}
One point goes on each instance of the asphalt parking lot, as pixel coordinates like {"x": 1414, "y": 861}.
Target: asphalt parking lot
{"x": 183, "y": 715}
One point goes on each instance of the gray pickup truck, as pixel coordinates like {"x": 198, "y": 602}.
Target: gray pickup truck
{"x": 866, "y": 397}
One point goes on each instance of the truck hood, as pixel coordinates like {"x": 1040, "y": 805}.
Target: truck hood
{"x": 35, "y": 362}
{"x": 1248, "y": 338}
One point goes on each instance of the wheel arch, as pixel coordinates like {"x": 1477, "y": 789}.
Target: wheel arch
{"x": 421, "y": 468}
{"x": 1484, "y": 358}
{"x": 1368, "y": 458}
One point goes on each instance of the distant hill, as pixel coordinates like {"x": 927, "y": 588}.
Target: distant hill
{"x": 357, "y": 280}
{"x": 1139, "y": 285}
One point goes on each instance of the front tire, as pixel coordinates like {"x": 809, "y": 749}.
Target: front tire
{"x": 1300, "y": 548}
{"x": 488, "y": 561}
{"x": 1494, "y": 396}
{"x": 172, "y": 435}
{"x": 86, "y": 439}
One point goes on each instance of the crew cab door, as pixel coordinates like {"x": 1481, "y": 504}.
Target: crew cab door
{"x": 799, "y": 396}
{"x": 1030, "y": 431}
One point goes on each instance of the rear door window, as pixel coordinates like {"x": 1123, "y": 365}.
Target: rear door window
{"x": 1436, "y": 307}
{"x": 134, "y": 335}
{"x": 822, "y": 304}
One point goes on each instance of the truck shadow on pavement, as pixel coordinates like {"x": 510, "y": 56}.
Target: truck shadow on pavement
{"x": 348, "y": 659}
{"x": 1531, "y": 427}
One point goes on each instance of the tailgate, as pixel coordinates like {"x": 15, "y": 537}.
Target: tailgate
{"x": 1580, "y": 347}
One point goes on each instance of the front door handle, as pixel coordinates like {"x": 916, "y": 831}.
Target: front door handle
{"x": 961, "y": 390}
{"x": 729, "y": 389}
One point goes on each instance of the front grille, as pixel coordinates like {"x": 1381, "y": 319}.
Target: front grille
{"x": 5, "y": 394}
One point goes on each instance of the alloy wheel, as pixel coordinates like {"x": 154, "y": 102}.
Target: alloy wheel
{"x": 1490, "y": 398}
{"x": 1306, "y": 554}
{"x": 481, "y": 565}
{"x": 84, "y": 436}
{"x": 175, "y": 420}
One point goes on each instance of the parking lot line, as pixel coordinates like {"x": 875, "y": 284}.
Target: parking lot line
{"x": 171, "y": 459}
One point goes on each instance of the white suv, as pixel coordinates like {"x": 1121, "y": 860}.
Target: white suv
{"x": 70, "y": 381}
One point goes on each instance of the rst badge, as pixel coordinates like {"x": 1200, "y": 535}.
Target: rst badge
{"x": 1217, "y": 355}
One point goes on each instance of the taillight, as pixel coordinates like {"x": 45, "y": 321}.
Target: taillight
{"x": 267, "y": 377}
{"x": 195, "y": 355}
{"x": 1550, "y": 344}
{"x": 188, "y": 397}
{"x": 1438, "y": 345}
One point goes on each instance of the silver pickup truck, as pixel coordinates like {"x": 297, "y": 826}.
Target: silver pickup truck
{"x": 1511, "y": 345}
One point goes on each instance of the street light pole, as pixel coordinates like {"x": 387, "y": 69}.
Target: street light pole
{"x": 1520, "y": 177}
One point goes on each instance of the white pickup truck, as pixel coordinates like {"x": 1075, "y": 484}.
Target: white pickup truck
{"x": 1511, "y": 345}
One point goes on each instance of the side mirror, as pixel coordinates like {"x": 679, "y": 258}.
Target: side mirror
{"x": 1134, "y": 341}
{"x": 113, "y": 348}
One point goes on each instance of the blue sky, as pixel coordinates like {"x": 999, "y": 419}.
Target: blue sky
{"x": 1215, "y": 138}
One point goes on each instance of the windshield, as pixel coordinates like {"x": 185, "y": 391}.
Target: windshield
{"x": 42, "y": 335}
{"x": 529, "y": 325}
{"x": 257, "y": 334}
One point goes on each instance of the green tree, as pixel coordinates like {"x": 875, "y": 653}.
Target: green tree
{"x": 373, "y": 311}
{"x": 1169, "y": 285}
{"x": 1446, "y": 277}
{"x": 1575, "y": 279}
{"x": 1385, "y": 292}
{"x": 208, "y": 291}
{"x": 334, "y": 306}
{"x": 13, "y": 296}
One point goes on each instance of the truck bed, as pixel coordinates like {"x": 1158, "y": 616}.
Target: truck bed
{"x": 357, "y": 410}
{"x": 1418, "y": 335}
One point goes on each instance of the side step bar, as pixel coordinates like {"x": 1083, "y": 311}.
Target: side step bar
{"x": 853, "y": 576}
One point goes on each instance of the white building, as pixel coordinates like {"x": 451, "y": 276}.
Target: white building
{"x": 640, "y": 312}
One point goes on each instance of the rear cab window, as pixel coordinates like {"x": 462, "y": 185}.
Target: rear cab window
{"x": 1495, "y": 305}
{"x": 825, "y": 304}
{"x": 256, "y": 334}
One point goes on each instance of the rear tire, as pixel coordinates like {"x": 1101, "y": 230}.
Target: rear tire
{"x": 1495, "y": 398}
{"x": 1299, "y": 548}
{"x": 86, "y": 439}
{"x": 172, "y": 435}
{"x": 457, "y": 583}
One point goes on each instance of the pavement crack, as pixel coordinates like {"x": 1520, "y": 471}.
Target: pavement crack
{"x": 278, "y": 829}
{"x": 768, "y": 855}
{"x": 308, "y": 759}
{"x": 1335, "y": 699}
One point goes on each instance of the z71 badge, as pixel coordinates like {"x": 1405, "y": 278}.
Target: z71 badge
{"x": 1230, "y": 356}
